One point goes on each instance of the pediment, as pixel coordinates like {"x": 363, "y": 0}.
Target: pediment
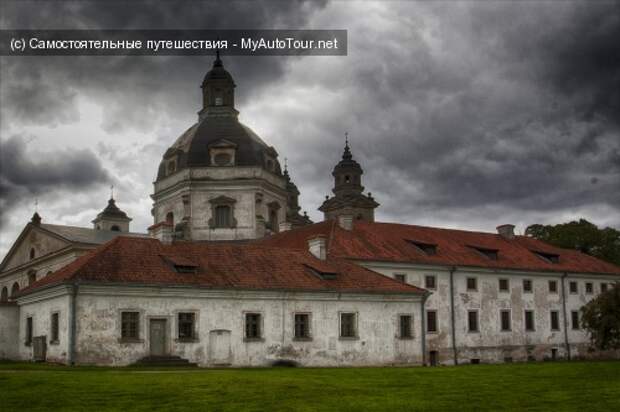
{"x": 32, "y": 237}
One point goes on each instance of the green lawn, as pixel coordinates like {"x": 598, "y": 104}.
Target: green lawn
{"x": 575, "y": 386}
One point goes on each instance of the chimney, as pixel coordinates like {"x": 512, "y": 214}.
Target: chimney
{"x": 284, "y": 226}
{"x": 317, "y": 245}
{"x": 346, "y": 222}
{"x": 506, "y": 231}
{"x": 162, "y": 231}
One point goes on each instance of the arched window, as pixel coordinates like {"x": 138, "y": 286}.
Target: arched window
{"x": 222, "y": 216}
{"x": 32, "y": 277}
{"x": 4, "y": 296}
{"x": 48, "y": 273}
{"x": 273, "y": 220}
{"x": 347, "y": 179}
{"x": 170, "y": 218}
{"x": 32, "y": 253}
{"x": 14, "y": 289}
{"x": 115, "y": 228}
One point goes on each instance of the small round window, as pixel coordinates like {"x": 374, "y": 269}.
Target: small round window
{"x": 222, "y": 159}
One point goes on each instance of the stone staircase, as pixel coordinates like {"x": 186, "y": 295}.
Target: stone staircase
{"x": 170, "y": 361}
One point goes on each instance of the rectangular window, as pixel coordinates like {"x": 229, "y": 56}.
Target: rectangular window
{"x": 553, "y": 286}
{"x": 430, "y": 282}
{"x": 472, "y": 284}
{"x": 130, "y": 322}
{"x": 472, "y": 321}
{"x": 406, "y": 329}
{"x": 505, "y": 320}
{"x": 589, "y": 288}
{"x": 527, "y": 285}
{"x": 28, "y": 331}
{"x": 555, "y": 320}
{"x": 348, "y": 327}
{"x": 574, "y": 317}
{"x": 431, "y": 321}
{"x": 504, "y": 285}
{"x": 253, "y": 326}
{"x": 572, "y": 287}
{"x": 400, "y": 277}
{"x": 302, "y": 326}
{"x": 603, "y": 287}
{"x": 54, "y": 328}
{"x": 529, "y": 320}
{"x": 186, "y": 325}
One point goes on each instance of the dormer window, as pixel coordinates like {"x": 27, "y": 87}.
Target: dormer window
{"x": 222, "y": 153}
{"x": 223, "y": 159}
{"x": 491, "y": 254}
{"x": 181, "y": 264}
{"x": 428, "y": 249}
{"x": 322, "y": 272}
{"x": 172, "y": 167}
{"x": 547, "y": 257}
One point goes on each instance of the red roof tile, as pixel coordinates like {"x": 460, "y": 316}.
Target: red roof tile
{"x": 219, "y": 266}
{"x": 392, "y": 242}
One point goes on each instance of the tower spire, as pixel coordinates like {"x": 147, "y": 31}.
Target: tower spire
{"x": 347, "y": 150}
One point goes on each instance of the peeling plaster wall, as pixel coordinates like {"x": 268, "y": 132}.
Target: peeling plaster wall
{"x": 41, "y": 313}
{"x": 490, "y": 343}
{"x": 99, "y": 329}
{"x": 9, "y": 329}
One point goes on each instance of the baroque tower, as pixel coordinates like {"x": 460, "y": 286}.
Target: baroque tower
{"x": 219, "y": 180}
{"x": 348, "y": 199}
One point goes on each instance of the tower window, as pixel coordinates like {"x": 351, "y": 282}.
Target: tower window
{"x": 170, "y": 218}
{"x": 347, "y": 179}
{"x": 222, "y": 216}
{"x": 219, "y": 101}
{"x": 115, "y": 228}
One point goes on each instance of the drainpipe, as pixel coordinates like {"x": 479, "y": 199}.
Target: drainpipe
{"x": 423, "y": 326}
{"x": 72, "y": 323}
{"x": 452, "y": 321}
{"x": 564, "y": 275}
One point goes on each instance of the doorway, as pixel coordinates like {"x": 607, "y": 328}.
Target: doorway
{"x": 433, "y": 358}
{"x": 157, "y": 337}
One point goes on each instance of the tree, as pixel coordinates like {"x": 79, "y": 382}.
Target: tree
{"x": 583, "y": 236}
{"x": 601, "y": 317}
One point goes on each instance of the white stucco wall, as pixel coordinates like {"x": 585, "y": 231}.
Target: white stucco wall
{"x": 99, "y": 317}
{"x": 40, "y": 308}
{"x": 490, "y": 343}
{"x": 9, "y": 329}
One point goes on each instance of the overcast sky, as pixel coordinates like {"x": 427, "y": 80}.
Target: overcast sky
{"x": 464, "y": 114}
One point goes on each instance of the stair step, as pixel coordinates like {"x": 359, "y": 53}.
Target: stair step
{"x": 164, "y": 361}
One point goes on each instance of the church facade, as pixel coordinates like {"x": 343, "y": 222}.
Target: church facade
{"x": 231, "y": 274}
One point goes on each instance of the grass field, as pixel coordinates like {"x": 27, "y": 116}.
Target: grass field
{"x": 575, "y": 386}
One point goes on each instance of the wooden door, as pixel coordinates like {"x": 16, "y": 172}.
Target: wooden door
{"x": 157, "y": 335}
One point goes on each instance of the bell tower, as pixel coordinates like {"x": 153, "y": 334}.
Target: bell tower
{"x": 348, "y": 199}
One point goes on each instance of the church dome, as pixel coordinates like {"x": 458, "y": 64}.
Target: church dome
{"x": 218, "y": 138}
{"x": 193, "y": 148}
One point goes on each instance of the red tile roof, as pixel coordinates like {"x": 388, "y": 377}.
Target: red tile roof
{"x": 393, "y": 242}
{"x": 219, "y": 266}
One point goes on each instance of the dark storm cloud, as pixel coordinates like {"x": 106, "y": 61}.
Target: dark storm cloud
{"x": 25, "y": 172}
{"x": 461, "y": 113}
{"x": 155, "y": 82}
